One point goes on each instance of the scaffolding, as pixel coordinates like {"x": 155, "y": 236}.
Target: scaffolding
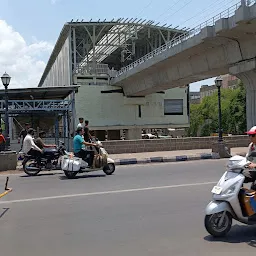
{"x": 97, "y": 48}
{"x": 43, "y": 105}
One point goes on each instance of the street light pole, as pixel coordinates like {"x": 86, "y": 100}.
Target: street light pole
{"x": 218, "y": 83}
{"x": 6, "y": 81}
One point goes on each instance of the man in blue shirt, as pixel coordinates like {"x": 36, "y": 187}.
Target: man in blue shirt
{"x": 79, "y": 151}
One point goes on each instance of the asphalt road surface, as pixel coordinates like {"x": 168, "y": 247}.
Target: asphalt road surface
{"x": 155, "y": 209}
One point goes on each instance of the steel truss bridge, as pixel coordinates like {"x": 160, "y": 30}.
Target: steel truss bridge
{"x": 28, "y": 106}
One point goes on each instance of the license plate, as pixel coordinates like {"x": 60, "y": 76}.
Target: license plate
{"x": 216, "y": 190}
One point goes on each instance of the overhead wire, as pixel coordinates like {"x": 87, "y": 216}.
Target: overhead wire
{"x": 169, "y": 8}
{"x": 204, "y": 12}
{"x": 216, "y": 12}
{"x": 186, "y": 4}
{"x": 217, "y": 2}
{"x": 144, "y": 8}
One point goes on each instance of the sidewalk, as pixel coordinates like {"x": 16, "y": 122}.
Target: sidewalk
{"x": 164, "y": 156}
{"x": 170, "y": 156}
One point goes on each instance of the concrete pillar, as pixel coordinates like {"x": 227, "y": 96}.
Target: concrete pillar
{"x": 100, "y": 134}
{"x": 133, "y": 134}
{"x": 246, "y": 72}
{"x": 8, "y": 160}
{"x": 251, "y": 106}
{"x": 114, "y": 135}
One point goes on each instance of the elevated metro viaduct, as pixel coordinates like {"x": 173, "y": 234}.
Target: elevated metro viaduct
{"x": 224, "y": 44}
{"x": 90, "y": 53}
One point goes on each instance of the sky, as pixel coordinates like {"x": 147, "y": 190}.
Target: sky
{"x": 30, "y": 28}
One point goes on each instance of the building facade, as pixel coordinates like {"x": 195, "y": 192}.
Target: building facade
{"x": 89, "y": 54}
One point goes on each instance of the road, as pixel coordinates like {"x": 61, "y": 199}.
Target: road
{"x": 141, "y": 210}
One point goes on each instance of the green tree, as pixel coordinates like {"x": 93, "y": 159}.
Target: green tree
{"x": 204, "y": 116}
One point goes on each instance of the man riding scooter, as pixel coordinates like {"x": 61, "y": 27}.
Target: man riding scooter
{"x": 250, "y": 173}
{"x": 81, "y": 152}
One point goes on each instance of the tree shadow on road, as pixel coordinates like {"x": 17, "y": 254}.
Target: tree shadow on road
{"x": 5, "y": 210}
{"x": 85, "y": 176}
{"x": 238, "y": 234}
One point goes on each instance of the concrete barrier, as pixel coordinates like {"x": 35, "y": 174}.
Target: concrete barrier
{"x": 189, "y": 143}
{"x": 8, "y": 160}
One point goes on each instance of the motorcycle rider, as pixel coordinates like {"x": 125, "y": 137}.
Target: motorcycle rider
{"x": 40, "y": 143}
{"x": 23, "y": 134}
{"x": 251, "y": 173}
{"x": 79, "y": 151}
{"x": 30, "y": 148}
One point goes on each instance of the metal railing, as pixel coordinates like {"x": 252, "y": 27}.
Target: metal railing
{"x": 185, "y": 36}
{"x": 88, "y": 69}
{"x": 36, "y": 105}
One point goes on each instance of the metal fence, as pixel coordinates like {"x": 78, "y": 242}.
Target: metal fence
{"x": 36, "y": 105}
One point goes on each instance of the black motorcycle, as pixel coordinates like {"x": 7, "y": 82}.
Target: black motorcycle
{"x": 48, "y": 161}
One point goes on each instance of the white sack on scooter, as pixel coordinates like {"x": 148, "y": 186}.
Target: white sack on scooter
{"x": 71, "y": 164}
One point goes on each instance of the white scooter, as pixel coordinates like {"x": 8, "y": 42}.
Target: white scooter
{"x": 72, "y": 165}
{"x": 231, "y": 200}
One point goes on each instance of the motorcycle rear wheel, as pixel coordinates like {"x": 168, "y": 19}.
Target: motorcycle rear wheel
{"x": 30, "y": 168}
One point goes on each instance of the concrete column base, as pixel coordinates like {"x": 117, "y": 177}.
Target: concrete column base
{"x": 133, "y": 134}
{"x": 8, "y": 160}
{"x": 101, "y": 135}
{"x": 222, "y": 149}
{"x": 114, "y": 135}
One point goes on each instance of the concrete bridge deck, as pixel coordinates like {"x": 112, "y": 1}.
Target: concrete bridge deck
{"x": 223, "y": 44}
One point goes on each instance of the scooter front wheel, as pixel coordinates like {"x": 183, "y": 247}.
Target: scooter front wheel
{"x": 70, "y": 175}
{"x": 217, "y": 224}
{"x": 109, "y": 169}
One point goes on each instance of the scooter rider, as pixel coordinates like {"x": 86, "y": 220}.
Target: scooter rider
{"x": 251, "y": 173}
{"x": 79, "y": 151}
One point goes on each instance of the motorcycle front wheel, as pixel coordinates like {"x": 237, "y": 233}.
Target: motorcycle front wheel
{"x": 217, "y": 224}
{"x": 30, "y": 167}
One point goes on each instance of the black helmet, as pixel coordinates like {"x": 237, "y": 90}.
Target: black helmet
{"x": 79, "y": 129}
{"x": 31, "y": 131}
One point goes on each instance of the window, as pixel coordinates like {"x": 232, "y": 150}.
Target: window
{"x": 139, "y": 110}
{"x": 173, "y": 107}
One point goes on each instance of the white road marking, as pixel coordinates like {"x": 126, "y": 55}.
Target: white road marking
{"x": 104, "y": 192}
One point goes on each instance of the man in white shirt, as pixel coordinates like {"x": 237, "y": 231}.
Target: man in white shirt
{"x": 30, "y": 148}
{"x": 81, "y": 122}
